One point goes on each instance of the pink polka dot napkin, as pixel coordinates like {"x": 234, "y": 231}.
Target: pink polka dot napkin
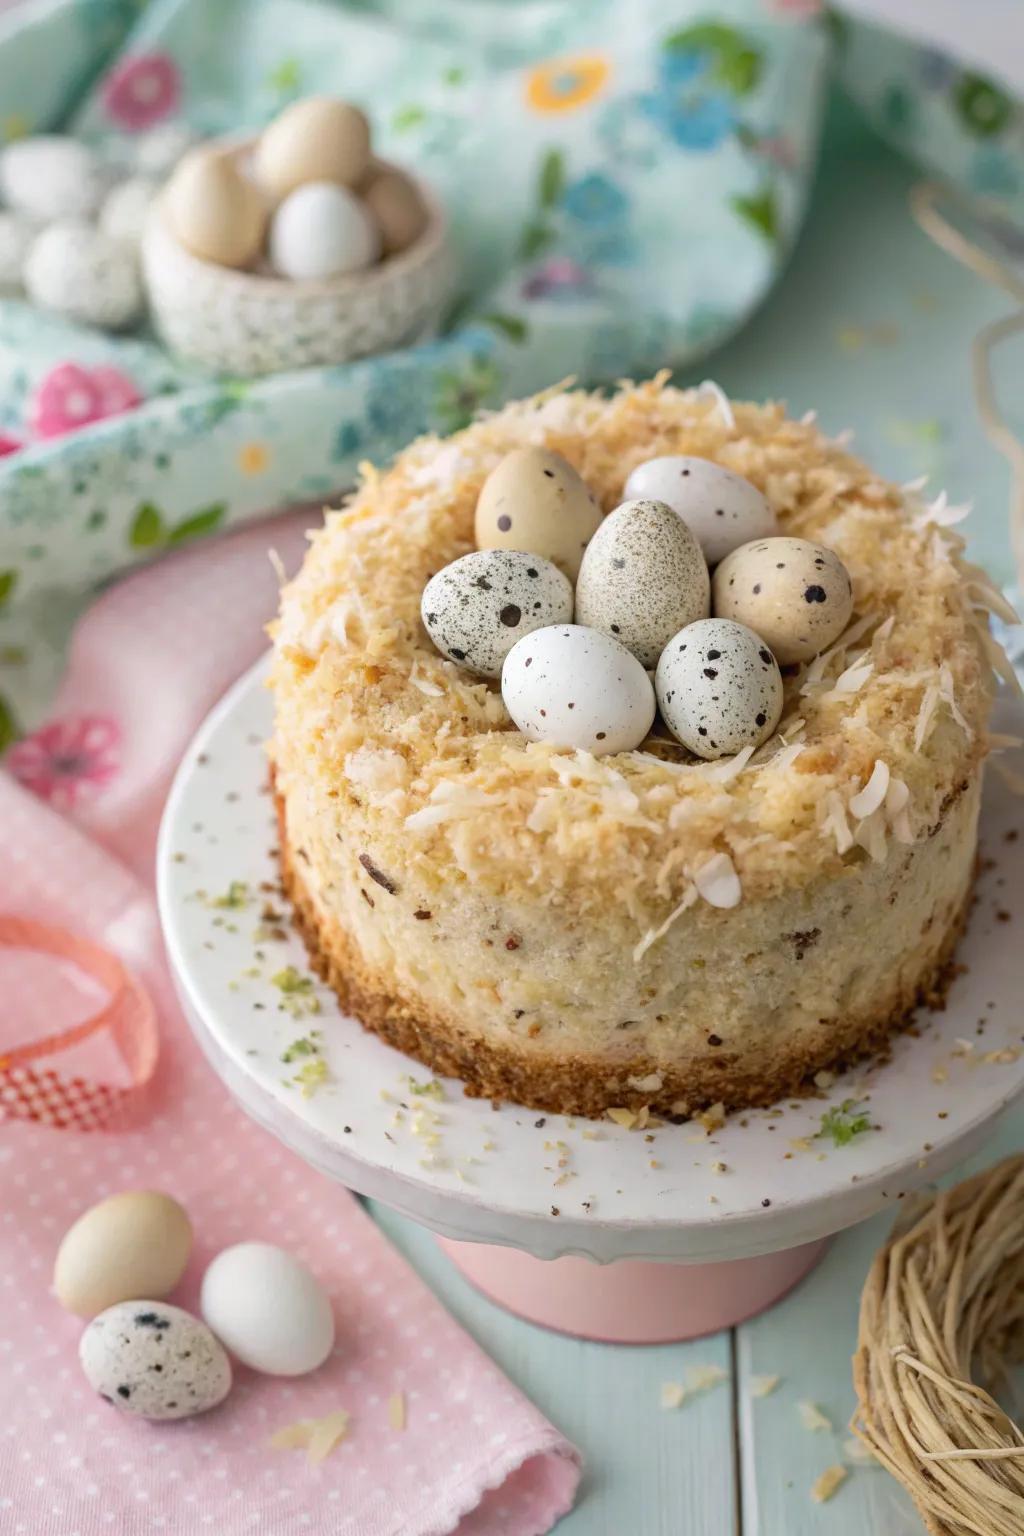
{"x": 79, "y": 806}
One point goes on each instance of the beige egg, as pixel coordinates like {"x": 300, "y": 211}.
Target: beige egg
{"x": 214, "y": 211}
{"x": 535, "y": 500}
{"x": 318, "y": 139}
{"x": 796, "y": 595}
{"x": 135, "y": 1244}
{"x": 396, "y": 205}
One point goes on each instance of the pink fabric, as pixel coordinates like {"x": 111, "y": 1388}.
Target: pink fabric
{"x": 149, "y": 659}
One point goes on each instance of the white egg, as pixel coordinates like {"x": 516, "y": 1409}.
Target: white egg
{"x": 51, "y": 177}
{"x": 320, "y": 231}
{"x": 16, "y": 236}
{"x": 642, "y": 578}
{"x": 126, "y": 208}
{"x": 579, "y": 688}
{"x": 154, "y": 1361}
{"x": 719, "y": 688}
{"x": 721, "y": 508}
{"x": 795, "y": 594}
{"x": 268, "y": 1309}
{"x": 76, "y": 270}
{"x": 476, "y": 609}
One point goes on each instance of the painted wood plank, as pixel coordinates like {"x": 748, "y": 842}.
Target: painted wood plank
{"x": 808, "y": 1340}
{"x": 649, "y": 1471}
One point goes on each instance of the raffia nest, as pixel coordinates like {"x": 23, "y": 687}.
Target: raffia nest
{"x": 941, "y": 1318}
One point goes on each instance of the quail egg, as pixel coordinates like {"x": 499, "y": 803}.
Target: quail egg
{"x": 579, "y": 688}
{"x": 78, "y": 271}
{"x": 476, "y": 609}
{"x": 535, "y": 500}
{"x": 719, "y": 688}
{"x": 50, "y": 177}
{"x": 722, "y": 509}
{"x": 796, "y": 595}
{"x": 642, "y": 578}
{"x": 154, "y": 1361}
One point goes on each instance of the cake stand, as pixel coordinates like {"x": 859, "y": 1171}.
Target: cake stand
{"x": 633, "y": 1234}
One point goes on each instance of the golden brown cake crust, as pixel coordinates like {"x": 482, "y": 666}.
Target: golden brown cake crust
{"x": 570, "y": 1085}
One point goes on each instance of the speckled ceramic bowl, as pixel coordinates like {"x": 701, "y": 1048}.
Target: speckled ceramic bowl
{"x": 252, "y": 323}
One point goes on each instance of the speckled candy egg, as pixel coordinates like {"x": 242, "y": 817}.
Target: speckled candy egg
{"x": 269, "y": 1309}
{"x": 78, "y": 271}
{"x": 535, "y": 500}
{"x": 796, "y": 595}
{"x": 478, "y": 607}
{"x": 51, "y": 177}
{"x": 321, "y": 231}
{"x": 719, "y": 688}
{"x": 576, "y": 687}
{"x": 154, "y": 1361}
{"x": 722, "y": 509}
{"x": 642, "y": 578}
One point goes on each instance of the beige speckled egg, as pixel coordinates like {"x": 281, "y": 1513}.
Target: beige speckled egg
{"x": 318, "y": 139}
{"x": 722, "y": 508}
{"x": 133, "y": 1244}
{"x": 535, "y": 500}
{"x": 396, "y": 206}
{"x": 642, "y": 578}
{"x": 719, "y": 688}
{"x": 476, "y": 609}
{"x": 154, "y": 1361}
{"x": 214, "y": 211}
{"x": 796, "y": 595}
{"x": 76, "y": 270}
{"x": 576, "y": 687}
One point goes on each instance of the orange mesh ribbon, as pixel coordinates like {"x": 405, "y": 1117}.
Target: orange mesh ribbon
{"x": 28, "y": 1092}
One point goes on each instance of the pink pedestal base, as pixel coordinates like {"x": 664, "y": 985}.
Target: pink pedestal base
{"x": 632, "y": 1301}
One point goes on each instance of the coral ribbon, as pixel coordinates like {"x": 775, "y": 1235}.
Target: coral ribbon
{"x": 76, "y": 1103}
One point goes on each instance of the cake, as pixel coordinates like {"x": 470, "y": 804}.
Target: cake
{"x": 580, "y": 933}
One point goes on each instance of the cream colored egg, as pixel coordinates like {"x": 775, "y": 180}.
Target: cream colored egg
{"x": 214, "y": 211}
{"x": 642, "y": 578}
{"x": 796, "y": 595}
{"x": 134, "y": 1244}
{"x": 318, "y": 139}
{"x": 397, "y": 207}
{"x": 535, "y": 500}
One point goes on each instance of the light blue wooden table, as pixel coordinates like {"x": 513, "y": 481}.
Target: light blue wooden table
{"x": 871, "y": 326}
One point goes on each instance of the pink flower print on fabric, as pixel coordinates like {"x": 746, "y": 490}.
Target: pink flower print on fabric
{"x": 8, "y": 444}
{"x": 71, "y": 397}
{"x": 68, "y": 760}
{"x": 141, "y": 91}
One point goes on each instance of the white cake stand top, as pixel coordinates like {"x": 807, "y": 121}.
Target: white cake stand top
{"x": 377, "y": 1122}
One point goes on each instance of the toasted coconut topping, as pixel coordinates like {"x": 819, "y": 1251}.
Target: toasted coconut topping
{"x": 873, "y": 794}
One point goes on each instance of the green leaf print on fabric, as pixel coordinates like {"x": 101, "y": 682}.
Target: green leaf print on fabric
{"x": 147, "y": 529}
{"x": 536, "y": 238}
{"x": 735, "y": 63}
{"x": 511, "y": 326}
{"x": 8, "y": 725}
{"x": 198, "y": 524}
{"x": 150, "y": 529}
{"x": 551, "y": 182}
{"x": 8, "y": 582}
{"x": 981, "y": 106}
{"x": 459, "y": 396}
{"x": 410, "y": 116}
{"x": 760, "y": 211}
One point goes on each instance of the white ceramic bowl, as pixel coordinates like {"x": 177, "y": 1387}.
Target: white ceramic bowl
{"x": 251, "y": 323}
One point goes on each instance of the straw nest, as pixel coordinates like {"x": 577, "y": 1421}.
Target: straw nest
{"x": 941, "y": 1318}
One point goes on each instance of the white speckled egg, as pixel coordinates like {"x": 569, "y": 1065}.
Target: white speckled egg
{"x": 722, "y": 509}
{"x": 796, "y": 595}
{"x": 154, "y": 1361}
{"x": 535, "y": 500}
{"x": 719, "y": 688}
{"x": 133, "y": 1244}
{"x": 214, "y": 211}
{"x": 51, "y": 177}
{"x": 577, "y": 687}
{"x": 126, "y": 208}
{"x": 269, "y": 1310}
{"x": 317, "y": 139}
{"x": 476, "y": 609}
{"x": 321, "y": 231}
{"x": 642, "y": 578}
{"x": 76, "y": 270}
{"x": 16, "y": 236}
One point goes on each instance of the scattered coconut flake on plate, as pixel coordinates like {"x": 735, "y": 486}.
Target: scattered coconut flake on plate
{"x": 872, "y": 795}
{"x": 709, "y": 387}
{"x": 672, "y": 1394}
{"x": 396, "y": 1410}
{"x": 701, "y": 1378}
{"x": 718, "y": 883}
{"x": 763, "y": 1386}
{"x": 318, "y": 1437}
{"x": 858, "y": 1454}
{"x": 830, "y": 1481}
{"x": 812, "y": 1418}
